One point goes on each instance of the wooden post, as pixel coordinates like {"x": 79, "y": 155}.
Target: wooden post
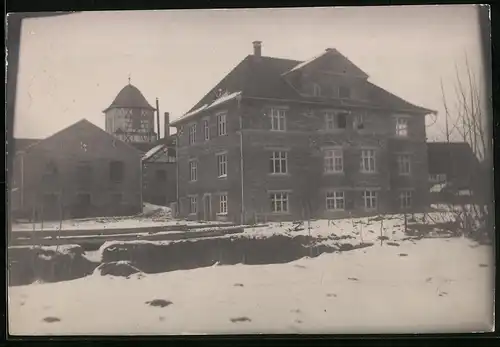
{"x": 381, "y": 232}
{"x": 406, "y": 224}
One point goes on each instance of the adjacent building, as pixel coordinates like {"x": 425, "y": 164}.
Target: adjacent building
{"x": 131, "y": 118}
{"x": 81, "y": 171}
{"x": 453, "y": 172}
{"x": 279, "y": 139}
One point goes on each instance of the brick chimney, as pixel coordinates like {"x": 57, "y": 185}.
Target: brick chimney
{"x": 257, "y": 48}
{"x": 166, "y": 125}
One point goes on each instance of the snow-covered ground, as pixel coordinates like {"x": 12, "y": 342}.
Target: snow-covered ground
{"x": 152, "y": 216}
{"x": 432, "y": 285}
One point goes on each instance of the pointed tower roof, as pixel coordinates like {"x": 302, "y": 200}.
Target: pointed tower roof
{"x": 130, "y": 97}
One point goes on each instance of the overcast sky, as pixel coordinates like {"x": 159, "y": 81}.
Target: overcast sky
{"x": 72, "y": 67}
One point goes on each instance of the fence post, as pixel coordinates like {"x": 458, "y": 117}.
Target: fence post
{"x": 381, "y": 232}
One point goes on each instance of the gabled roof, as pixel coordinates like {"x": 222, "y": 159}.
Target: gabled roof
{"x": 455, "y": 159}
{"x": 20, "y": 144}
{"x": 130, "y": 97}
{"x": 263, "y": 77}
{"x": 332, "y": 52}
{"x": 80, "y": 123}
{"x": 220, "y": 101}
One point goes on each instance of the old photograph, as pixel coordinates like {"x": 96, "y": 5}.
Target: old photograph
{"x": 251, "y": 171}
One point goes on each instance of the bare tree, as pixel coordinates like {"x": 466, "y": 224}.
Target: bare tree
{"x": 470, "y": 124}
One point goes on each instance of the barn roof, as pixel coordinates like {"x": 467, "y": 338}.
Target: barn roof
{"x": 130, "y": 97}
{"x": 265, "y": 77}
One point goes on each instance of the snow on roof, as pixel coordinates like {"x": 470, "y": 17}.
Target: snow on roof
{"x": 304, "y": 63}
{"x": 152, "y": 151}
{"x": 438, "y": 187}
{"x": 216, "y": 102}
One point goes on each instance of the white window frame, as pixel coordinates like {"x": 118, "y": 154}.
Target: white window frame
{"x": 370, "y": 199}
{"x": 280, "y": 157}
{"x": 404, "y": 164}
{"x": 402, "y": 126}
{"x": 222, "y": 204}
{"x": 281, "y": 197}
{"x": 221, "y": 164}
{"x": 222, "y": 124}
{"x": 317, "y": 90}
{"x": 405, "y": 199}
{"x": 192, "y": 134}
{"x": 437, "y": 178}
{"x": 278, "y": 119}
{"x": 368, "y": 161}
{"x": 206, "y": 129}
{"x": 193, "y": 204}
{"x": 193, "y": 170}
{"x": 333, "y": 160}
{"x": 359, "y": 119}
{"x": 337, "y": 200}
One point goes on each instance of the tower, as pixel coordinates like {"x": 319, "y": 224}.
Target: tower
{"x": 130, "y": 117}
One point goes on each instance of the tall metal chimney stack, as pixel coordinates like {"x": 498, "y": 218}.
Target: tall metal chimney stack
{"x": 157, "y": 119}
{"x": 166, "y": 125}
{"x": 257, "y": 48}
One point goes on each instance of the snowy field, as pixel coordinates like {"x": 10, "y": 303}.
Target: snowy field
{"x": 431, "y": 285}
{"x": 152, "y": 216}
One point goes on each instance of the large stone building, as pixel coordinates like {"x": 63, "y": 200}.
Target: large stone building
{"x": 80, "y": 171}
{"x": 131, "y": 118}
{"x": 282, "y": 139}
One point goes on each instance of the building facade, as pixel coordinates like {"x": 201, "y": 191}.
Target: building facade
{"x": 131, "y": 118}
{"x": 280, "y": 139}
{"x": 81, "y": 171}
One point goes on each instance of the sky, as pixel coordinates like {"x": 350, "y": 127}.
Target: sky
{"x": 72, "y": 67}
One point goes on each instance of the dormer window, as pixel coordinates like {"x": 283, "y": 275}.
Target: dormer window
{"x": 359, "y": 122}
{"x": 316, "y": 89}
{"x": 344, "y": 92}
{"x": 335, "y": 120}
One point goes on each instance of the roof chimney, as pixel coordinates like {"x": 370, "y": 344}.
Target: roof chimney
{"x": 257, "y": 48}
{"x": 166, "y": 125}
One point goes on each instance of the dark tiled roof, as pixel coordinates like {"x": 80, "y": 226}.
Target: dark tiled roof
{"x": 262, "y": 77}
{"x": 20, "y": 144}
{"x": 455, "y": 159}
{"x": 130, "y": 97}
{"x": 146, "y": 146}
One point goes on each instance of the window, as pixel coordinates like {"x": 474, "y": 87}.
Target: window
{"x": 193, "y": 170}
{"x": 278, "y": 119}
{"x": 368, "y": 160}
{"x": 316, "y": 89}
{"x": 334, "y": 161}
{"x": 405, "y": 200}
{"x": 279, "y": 202}
{"x": 370, "y": 199}
{"x": 192, "y": 134}
{"x": 335, "y": 120}
{"x": 161, "y": 175}
{"x": 401, "y": 126}
{"x": 223, "y": 204}
{"x": 359, "y": 122}
{"x": 222, "y": 165}
{"x": 116, "y": 169}
{"x": 404, "y": 164}
{"x": 206, "y": 130}
{"x": 344, "y": 92}
{"x": 437, "y": 178}
{"x": 335, "y": 200}
{"x": 193, "y": 204}
{"x": 221, "y": 124}
{"x": 278, "y": 162}
{"x": 51, "y": 171}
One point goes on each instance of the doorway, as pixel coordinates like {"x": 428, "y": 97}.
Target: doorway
{"x": 82, "y": 205}
{"x": 207, "y": 207}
